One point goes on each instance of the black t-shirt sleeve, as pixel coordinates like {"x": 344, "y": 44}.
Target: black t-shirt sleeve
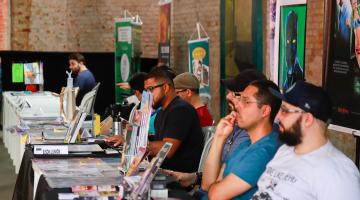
{"x": 179, "y": 125}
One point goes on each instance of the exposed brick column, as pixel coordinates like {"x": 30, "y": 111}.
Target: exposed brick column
{"x": 4, "y": 24}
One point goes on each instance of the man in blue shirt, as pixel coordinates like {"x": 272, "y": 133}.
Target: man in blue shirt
{"x": 84, "y": 79}
{"x": 255, "y": 113}
{"x": 235, "y": 86}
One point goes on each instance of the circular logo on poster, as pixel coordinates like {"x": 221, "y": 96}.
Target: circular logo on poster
{"x": 199, "y": 53}
{"x": 124, "y": 68}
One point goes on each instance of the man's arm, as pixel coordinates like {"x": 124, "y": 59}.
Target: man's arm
{"x": 155, "y": 146}
{"x": 228, "y": 188}
{"x": 213, "y": 166}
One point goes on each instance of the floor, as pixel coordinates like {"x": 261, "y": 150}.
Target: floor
{"x": 7, "y": 173}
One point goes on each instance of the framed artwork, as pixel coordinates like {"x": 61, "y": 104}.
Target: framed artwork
{"x": 342, "y": 63}
{"x": 289, "y": 48}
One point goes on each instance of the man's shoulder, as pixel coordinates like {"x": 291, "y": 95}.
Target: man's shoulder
{"x": 179, "y": 104}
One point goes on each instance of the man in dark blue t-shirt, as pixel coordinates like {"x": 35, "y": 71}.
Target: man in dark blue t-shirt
{"x": 84, "y": 79}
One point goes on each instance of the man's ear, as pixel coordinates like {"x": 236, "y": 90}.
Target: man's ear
{"x": 308, "y": 119}
{"x": 266, "y": 110}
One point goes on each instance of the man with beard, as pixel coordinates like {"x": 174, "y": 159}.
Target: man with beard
{"x": 84, "y": 79}
{"x": 307, "y": 166}
{"x": 237, "y": 178}
{"x": 177, "y": 122}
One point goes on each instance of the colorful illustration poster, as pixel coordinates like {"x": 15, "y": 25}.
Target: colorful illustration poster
{"x": 342, "y": 80}
{"x": 164, "y": 32}
{"x": 17, "y": 73}
{"x": 271, "y": 40}
{"x": 291, "y": 44}
{"x": 199, "y": 66}
{"x": 32, "y": 73}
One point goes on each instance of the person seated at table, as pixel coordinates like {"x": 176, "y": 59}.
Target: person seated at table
{"x": 237, "y": 178}
{"x": 307, "y": 166}
{"x": 187, "y": 87}
{"x": 176, "y": 123}
{"x": 235, "y": 87}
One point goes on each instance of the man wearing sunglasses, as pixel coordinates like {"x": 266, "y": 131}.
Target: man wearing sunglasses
{"x": 176, "y": 123}
{"x": 307, "y": 166}
{"x": 187, "y": 87}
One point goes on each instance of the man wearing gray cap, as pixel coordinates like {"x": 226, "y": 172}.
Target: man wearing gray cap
{"x": 307, "y": 166}
{"x": 187, "y": 87}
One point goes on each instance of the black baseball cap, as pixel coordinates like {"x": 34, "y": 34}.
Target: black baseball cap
{"x": 310, "y": 98}
{"x": 242, "y": 80}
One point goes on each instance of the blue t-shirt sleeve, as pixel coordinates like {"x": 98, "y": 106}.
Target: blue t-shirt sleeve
{"x": 252, "y": 165}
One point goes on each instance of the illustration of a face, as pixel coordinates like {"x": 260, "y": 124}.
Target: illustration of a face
{"x": 291, "y": 38}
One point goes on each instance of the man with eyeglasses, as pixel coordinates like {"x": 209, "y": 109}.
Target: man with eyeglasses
{"x": 235, "y": 87}
{"x": 255, "y": 112}
{"x": 307, "y": 166}
{"x": 187, "y": 87}
{"x": 176, "y": 123}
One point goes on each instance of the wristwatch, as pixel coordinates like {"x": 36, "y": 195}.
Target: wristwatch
{"x": 198, "y": 178}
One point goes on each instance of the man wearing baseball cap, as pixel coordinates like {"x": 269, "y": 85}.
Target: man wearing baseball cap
{"x": 187, "y": 87}
{"x": 307, "y": 166}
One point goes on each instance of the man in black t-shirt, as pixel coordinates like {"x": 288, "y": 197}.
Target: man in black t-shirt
{"x": 177, "y": 123}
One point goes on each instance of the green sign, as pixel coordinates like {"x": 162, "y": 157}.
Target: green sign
{"x": 199, "y": 66}
{"x": 17, "y": 73}
{"x": 127, "y": 47}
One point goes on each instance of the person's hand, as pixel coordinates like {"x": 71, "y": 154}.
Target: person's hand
{"x": 124, "y": 85}
{"x": 226, "y": 125}
{"x": 185, "y": 179}
{"x": 116, "y": 139}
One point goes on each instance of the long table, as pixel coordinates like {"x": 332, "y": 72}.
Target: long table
{"x": 27, "y": 106}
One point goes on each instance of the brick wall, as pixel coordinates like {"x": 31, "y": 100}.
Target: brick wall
{"x": 78, "y": 25}
{"x": 185, "y": 15}
{"x": 4, "y": 25}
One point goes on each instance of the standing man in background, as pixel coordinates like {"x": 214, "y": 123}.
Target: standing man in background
{"x": 84, "y": 79}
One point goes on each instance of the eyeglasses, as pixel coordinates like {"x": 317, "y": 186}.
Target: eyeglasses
{"x": 236, "y": 94}
{"x": 179, "y": 91}
{"x": 284, "y": 110}
{"x": 246, "y": 101}
{"x": 151, "y": 88}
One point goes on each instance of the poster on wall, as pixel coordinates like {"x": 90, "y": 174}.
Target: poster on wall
{"x": 17, "y": 70}
{"x": 342, "y": 79}
{"x": 163, "y": 37}
{"x": 271, "y": 36}
{"x": 127, "y": 47}
{"x": 289, "y": 42}
{"x": 199, "y": 66}
{"x": 32, "y": 73}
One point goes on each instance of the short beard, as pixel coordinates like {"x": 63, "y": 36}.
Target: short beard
{"x": 158, "y": 103}
{"x": 292, "y": 137}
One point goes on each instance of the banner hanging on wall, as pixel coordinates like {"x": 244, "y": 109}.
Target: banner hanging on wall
{"x": 164, "y": 32}
{"x": 199, "y": 66}
{"x": 271, "y": 36}
{"x": 127, "y": 47}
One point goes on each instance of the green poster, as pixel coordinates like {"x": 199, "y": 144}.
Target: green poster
{"x": 291, "y": 44}
{"x": 127, "y": 47}
{"x": 199, "y": 66}
{"x": 17, "y": 73}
